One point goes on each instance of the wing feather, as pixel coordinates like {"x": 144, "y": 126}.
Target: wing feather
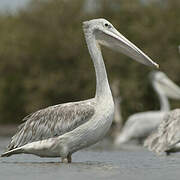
{"x": 167, "y": 135}
{"x": 52, "y": 121}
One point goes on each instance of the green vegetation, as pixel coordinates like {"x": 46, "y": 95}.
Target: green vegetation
{"x": 44, "y": 59}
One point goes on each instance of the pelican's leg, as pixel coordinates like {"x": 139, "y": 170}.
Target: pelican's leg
{"x": 67, "y": 159}
{"x": 168, "y": 153}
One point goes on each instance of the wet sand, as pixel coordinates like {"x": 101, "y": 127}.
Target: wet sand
{"x": 94, "y": 163}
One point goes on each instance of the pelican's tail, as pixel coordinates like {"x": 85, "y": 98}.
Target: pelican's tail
{"x": 12, "y": 152}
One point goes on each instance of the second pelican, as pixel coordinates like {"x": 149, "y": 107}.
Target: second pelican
{"x": 138, "y": 126}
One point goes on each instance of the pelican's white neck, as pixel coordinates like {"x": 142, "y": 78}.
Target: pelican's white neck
{"x": 102, "y": 84}
{"x": 164, "y": 103}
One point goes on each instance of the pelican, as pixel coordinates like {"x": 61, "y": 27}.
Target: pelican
{"x": 61, "y": 130}
{"x": 167, "y": 137}
{"x": 138, "y": 126}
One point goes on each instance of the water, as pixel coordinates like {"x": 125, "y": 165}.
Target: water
{"x": 99, "y": 162}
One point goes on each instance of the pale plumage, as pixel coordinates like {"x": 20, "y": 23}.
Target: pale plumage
{"x": 52, "y": 121}
{"x": 59, "y": 131}
{"x": 140, "y": 125}
{"x": 167, "y": 137}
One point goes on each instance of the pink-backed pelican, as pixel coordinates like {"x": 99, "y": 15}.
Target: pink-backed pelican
{"x": 60, "y": 130}
{"x": 167, "y": 137}
{"x": 140, "y": 125}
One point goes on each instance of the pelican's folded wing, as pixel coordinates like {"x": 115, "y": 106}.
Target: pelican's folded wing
{"x": 52, "y": 121}
{"x": 167, "y": 135}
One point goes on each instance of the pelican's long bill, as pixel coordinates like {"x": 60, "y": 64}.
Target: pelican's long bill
{"x": 113, "y": 39}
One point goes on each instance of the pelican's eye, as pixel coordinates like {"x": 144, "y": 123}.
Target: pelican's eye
{"x": 107, "y": 25}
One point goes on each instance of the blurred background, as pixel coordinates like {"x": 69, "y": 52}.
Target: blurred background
{"x": 44, "y": 59}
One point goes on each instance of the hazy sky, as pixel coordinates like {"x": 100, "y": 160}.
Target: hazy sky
{"x": 11, "y": 4}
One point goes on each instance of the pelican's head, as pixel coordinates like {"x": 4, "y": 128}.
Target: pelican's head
{"x": 163, "y": 84}
{"x": 105, "y": 34}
